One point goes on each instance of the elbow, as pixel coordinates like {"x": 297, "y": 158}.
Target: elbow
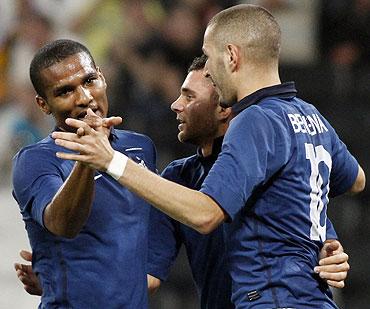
{"x": 65, "y": 232}
{"x": 360, "y": 182}
{"x": 153, "y": 284}
{"x": 208, "y": 223}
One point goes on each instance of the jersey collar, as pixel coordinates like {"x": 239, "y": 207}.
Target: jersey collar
{"x": 284, "y": 90}
{"x": 216, "y": 149}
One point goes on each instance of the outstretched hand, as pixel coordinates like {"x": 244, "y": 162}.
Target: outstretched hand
{"x": 333, "y": 264}
{"x": 90, "y": 145}
{"x": 26, "y": 275}
{"x": 100, "y": 124}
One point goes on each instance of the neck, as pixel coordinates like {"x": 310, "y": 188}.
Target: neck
{"x": 207, "y": 146}
{"x": 260, "y": 79}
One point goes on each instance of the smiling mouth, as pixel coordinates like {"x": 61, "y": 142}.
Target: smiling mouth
{"x": 181, "y": 123}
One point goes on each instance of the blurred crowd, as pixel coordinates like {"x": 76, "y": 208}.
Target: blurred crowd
{"x": 144, "y": 48}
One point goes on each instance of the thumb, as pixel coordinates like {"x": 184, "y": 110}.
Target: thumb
{"x": 112, "y": 121}
{"x": 26, "y": 255}
{"x": 331, "y": 247}
{"x": 90, "y": 112}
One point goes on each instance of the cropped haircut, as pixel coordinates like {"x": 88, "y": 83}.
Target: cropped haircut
{"x": 51, "y": 54}
{"x": 251, "y": 27}
{"x": 198, "y": 63}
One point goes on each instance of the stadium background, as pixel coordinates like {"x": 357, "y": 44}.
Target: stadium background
{"x": 143, "y": 48}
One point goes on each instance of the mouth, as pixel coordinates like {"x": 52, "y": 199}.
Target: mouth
{"x": 181, "y": 123}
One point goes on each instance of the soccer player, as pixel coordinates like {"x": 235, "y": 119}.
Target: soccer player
{"x": 203, "y": 122}
{"x": 88, "y": 234}
{"x": 271, "y": 179}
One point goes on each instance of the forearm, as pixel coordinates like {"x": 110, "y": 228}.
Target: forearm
{"x": 190, "y": 207}
{"x": 153, "y": 284}
{"x": 68, "y": 211}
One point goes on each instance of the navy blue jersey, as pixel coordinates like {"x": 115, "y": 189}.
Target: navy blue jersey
{"x": 105, "y": 265}
{"x": 207, "y": 254}
{"x": 279, "y": 158}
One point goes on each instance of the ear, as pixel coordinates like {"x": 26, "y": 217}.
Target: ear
{"x": 101, "y": 75}
{"x": 43, "y": 105}
{"x": 223, "y": 113}
{"x": 233, "y": 57}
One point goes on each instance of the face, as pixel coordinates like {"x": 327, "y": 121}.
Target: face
{"x": 215, "y": 69}
{"x": 196, "y": 109}
{"x": 71, "y": 86}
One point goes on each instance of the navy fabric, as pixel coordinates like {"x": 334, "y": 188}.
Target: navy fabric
{"x": 279, "y": 158}
{"x": 105, "y": 265}
{"x": 206, "y": 253}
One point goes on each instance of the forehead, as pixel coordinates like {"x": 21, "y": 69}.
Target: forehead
{"x": 68, "y": 70}
{"x": 207, "y": 39}
{"x": 197, "y": 82}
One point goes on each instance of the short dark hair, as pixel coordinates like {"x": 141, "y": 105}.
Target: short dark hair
{"x": 198, "y": 63}
{"x": 51, "y": 54}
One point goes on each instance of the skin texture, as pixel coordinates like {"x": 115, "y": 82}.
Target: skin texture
{"x": 72, "y": 87}
{"x": 197, "y": 110}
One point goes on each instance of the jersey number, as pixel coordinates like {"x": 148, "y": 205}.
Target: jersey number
{"x": 316, "y": 155}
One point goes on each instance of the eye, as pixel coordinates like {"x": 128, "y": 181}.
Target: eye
{"x": 64, "y": 92}
{"x": 90, "y": 80}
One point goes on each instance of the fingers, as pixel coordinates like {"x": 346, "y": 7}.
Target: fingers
{"x": 71, "y": 145}
{"x": 68, "y": 136}
{"x": 80, "y": 132}
{"x": 112, "y": 121}
{"x": 72, "y": 156}
{"x": 333, "y": 268}
{"x": 336, "y": 284}
{"x": 334, "y": 259}
{"x": 92, "y": 119}
{"x": 26, "y": 255}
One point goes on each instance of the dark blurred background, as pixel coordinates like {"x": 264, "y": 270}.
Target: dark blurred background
{"x": 144, "y": 48}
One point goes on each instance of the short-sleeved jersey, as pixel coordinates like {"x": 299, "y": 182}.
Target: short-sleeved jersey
{"x": 279, "y": 158}
{"x": 206, "y": 253}
{"x": 104, "y": 266}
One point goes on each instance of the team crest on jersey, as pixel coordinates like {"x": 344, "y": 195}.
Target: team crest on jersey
{"x": 141, "y": 162}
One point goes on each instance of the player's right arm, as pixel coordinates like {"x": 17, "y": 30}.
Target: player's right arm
{"x": 70, "y": 207}
{"x": 68, "y": 211}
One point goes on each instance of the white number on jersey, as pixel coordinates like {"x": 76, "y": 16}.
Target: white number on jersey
{"x": 316, "y": 155}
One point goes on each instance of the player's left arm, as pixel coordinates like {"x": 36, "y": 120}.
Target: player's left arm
{"x": 359, "y": 184}
{"x": 153, "y": 284}
{"x": 188, "y": 206}
{"x": 333, "y": 263}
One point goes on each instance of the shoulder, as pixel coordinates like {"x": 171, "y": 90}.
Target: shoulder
{"x": 133, "y": 141}
{"x": 174, "y": 169}
{"x": 131, "y": 136}
{"x": 38, "y": 150}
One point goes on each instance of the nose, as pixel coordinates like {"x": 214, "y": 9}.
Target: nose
{"x": 84, "y": 96}
{"x": 177, "y": 106}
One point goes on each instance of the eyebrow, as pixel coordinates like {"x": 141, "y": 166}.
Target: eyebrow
{"x": 61, "y": 89}
{"x": 187, "y": 90}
